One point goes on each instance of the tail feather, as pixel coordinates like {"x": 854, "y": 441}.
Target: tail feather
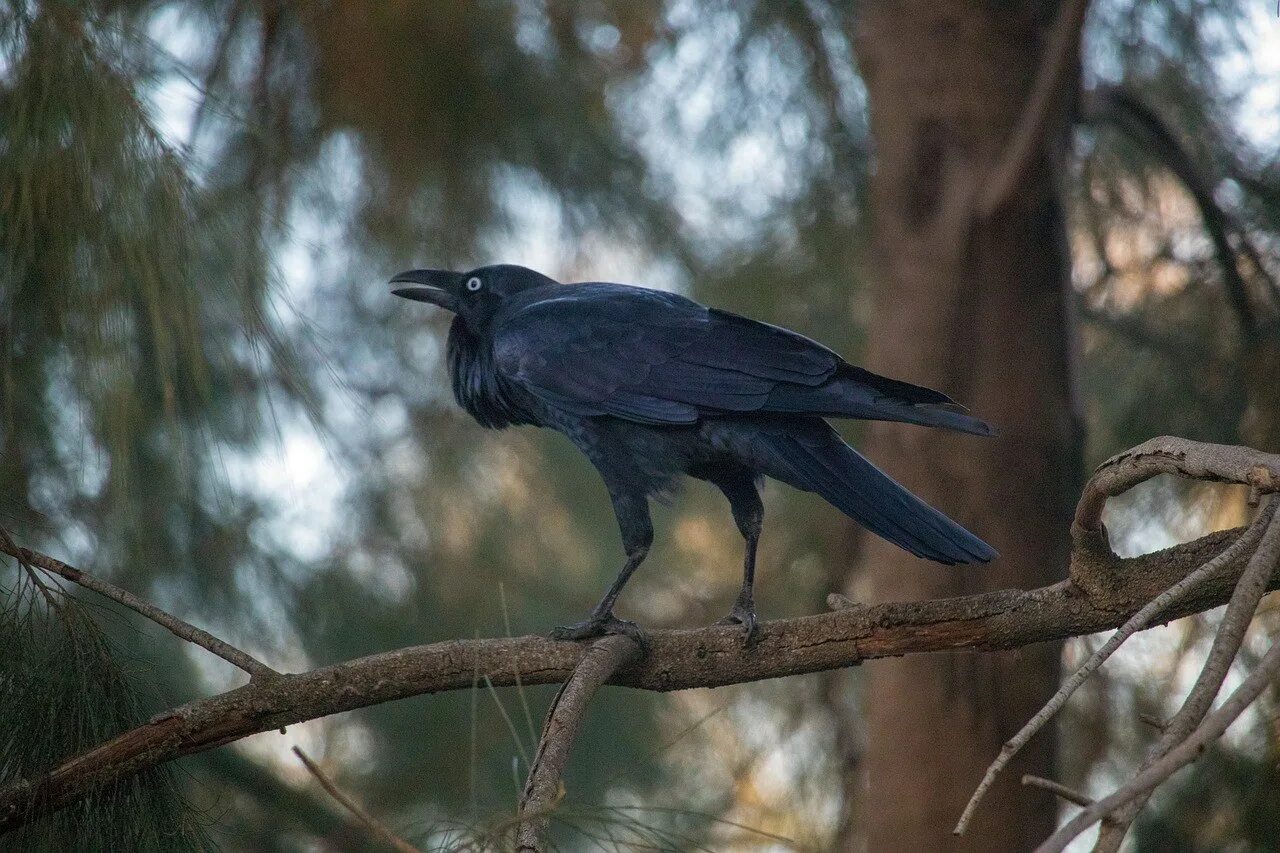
{"x": 866, "y": 494}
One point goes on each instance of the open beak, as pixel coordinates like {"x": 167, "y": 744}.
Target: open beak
{"x": 434, "y": 286}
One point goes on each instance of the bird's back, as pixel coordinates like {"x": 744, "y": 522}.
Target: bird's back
{"x": 660, "y": 358}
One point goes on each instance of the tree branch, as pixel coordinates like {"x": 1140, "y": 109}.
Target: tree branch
{"x": 1140, "y": 620}
{"x": 1147, "y": 129}
{"x": 1186, "y": 351}
{"x": 1046, "y": 93}
{"x": 1057, "y": 789}
{"x": 179, "y": 628}
{"x": 1104, "y": 590}
{"x": 368, "y": 821}
{"x": 1226, "y": 645}
{"x": 1189, "y": 750}
{"x": 706, "y": 657}
{"x": 217, "y": 65}
{"x": 564, "y": 719}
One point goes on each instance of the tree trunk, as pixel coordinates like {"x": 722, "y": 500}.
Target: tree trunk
{"x": 1260, "y": 426}
{"x": 977, "y": 309}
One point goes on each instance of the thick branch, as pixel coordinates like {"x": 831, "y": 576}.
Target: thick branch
{"x": 705, "y": 657}
{"x": 1103, "y": 591}
{"x": 179, "y": 628}
{"x": 1221, "y": 463}
{"x": 564, "y": 719}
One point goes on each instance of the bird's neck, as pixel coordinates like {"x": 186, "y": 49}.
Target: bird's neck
{"x": 477, "y": 385}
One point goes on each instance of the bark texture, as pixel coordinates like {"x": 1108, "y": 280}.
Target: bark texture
{"x": 975, "y": 306}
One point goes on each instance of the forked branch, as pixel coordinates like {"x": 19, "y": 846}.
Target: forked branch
{"x": 1267, "y": 671}
{"x": 1226, "y": 646}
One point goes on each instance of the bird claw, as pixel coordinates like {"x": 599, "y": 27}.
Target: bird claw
{"x": 744, "y": 614}
{"x": 600, "y": 626}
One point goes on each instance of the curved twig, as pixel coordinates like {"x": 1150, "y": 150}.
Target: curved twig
{"x": 1195, "y": 460}
{"x": 542, "y": 791}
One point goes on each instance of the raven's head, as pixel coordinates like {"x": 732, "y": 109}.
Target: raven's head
{"x": 474, "y": 296}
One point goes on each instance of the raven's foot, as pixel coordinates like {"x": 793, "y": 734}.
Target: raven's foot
{"x": 744, "y": 614}
{"x": 600, "y": 626}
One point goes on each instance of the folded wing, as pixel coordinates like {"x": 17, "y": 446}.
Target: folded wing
{"x": 658, "y": 358}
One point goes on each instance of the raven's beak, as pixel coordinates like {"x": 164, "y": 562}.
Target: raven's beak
{"x": 434, "y": 286}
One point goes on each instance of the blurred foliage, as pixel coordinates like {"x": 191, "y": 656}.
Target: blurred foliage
{"x": 207, "y": 396}
{"x": 1231, "y": 803}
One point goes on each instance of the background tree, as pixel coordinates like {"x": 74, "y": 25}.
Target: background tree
{"x": 970, "y": 294}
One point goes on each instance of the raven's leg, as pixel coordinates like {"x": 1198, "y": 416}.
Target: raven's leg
{"x": 632, "y": 511}
{"x": 739, "y": 486}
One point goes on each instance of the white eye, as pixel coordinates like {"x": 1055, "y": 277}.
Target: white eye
{"x": 473, "y": 284}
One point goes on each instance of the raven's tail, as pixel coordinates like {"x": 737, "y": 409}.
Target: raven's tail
{"x": 821, "y": 462}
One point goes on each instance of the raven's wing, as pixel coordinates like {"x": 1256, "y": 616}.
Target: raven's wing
{"x": 655, "y": 357}
{"x": 650, "y": 356}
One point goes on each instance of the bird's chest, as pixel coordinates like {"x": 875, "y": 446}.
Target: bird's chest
{"x": 480, "y": 389}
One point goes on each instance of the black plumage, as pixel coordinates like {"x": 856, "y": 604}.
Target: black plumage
{"x": 651, "y": 386}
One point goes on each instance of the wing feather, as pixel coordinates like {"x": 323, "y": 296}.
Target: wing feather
{"x": 650, "y": 356}
{"x": 659, "y": 358}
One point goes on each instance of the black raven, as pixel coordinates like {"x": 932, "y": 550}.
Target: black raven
{"x": 650, "y": 386}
